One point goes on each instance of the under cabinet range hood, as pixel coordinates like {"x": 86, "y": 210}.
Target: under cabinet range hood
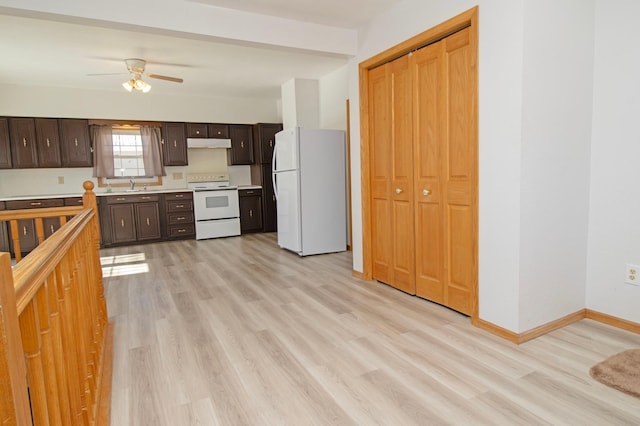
{"x": 208, "y": 143}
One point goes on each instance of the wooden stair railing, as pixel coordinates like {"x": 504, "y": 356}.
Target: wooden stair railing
{"x": 56, "y": 344}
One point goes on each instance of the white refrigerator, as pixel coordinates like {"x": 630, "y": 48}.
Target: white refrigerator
{"x": 309, "y": 180}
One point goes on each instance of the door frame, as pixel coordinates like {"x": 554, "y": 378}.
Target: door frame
{"x": 466, "y": 19}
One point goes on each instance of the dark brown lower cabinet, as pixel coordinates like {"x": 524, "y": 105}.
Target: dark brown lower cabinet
{"x": 27, "y": 231}
{"x": 250, "y": 210}
{"x": 128, "y": 219}
{"x": 261, "y": 175}
{"x": 123, "y": 228}
{"x": 179, "y": 217}
{"x": 147, "y": 221}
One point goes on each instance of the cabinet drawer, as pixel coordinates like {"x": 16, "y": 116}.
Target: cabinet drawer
{"x": 218, "y": 131}
{"x": 34, "y": 204}
{"x": 197, "y": 130}
{"x": 179, "y": 206}
{"x": 179, "y": 218}
{"x": 187, "y": 230}
{"x": 120, "y": 199}
{"x": 249, "y": 192}
{"x": 178, "y": 196}
{"x": 73, "y": 201}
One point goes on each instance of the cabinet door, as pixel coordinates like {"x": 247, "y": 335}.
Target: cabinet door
{"x": 218, "y": 131}
{"x": 264, "y": 140}
{"x": 250, "y": 211}
{"x": 5, "y": 145}
{"x": 197, "y": 130}
{"x": 175, "y": 144}
{"x": 123, "y": 229}
{"x": 48, "y": 142}
{"x": 75, "y": 143}
{"x": 50, "y": 225}
{"x": 270, "y": 213}
{"x": 23, "y": 143}
{"x": 26, "y": 235}
{"x": 241, "y": 151}
{"x": 148, "y": 221}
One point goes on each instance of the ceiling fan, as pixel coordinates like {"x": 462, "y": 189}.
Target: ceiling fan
{"x": 136, "y": 71}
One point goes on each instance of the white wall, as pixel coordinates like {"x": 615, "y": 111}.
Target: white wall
{"x": 334, "y": 91}
{"x": 556, "y": 139}
{"x": 32, "y": 101}
{"x": 614, "y": 227}
{"x": 500, "y": 105}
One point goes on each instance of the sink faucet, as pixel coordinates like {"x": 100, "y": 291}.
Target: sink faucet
{"x": 133, "y": 184}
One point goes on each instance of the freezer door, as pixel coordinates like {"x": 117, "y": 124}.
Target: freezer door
{"x": 289, "y": 230}
{"x": 285, "y": 153}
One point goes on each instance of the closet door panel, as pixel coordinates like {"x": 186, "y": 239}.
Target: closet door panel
{"x": 380, "y": 145}
{"x": 429, "y": 131}
{"x": 402, "y": 183}
{"x": 461, "y": 173}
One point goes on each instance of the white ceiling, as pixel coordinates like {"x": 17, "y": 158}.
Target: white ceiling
{"x": 53, "y": 53}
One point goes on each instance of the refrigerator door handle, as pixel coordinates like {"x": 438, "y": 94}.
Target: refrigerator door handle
{"x": 275, "y": 187}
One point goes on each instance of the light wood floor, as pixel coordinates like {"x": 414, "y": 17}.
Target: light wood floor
{"x": 236, "y": 331}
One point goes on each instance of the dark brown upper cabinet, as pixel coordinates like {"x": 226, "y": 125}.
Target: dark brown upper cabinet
{"x": 197, "y": 130}
{"x": 5, "y": 145}
{"x": 175, "y": 144}
{"x": 75, "y": 143}
{"x": 218, "y": 131}
{"x": 22, "y": 132}
{"x": 48, "y": 142}
{"x": 241, "y": 151}
{"x": 264, "y": 140}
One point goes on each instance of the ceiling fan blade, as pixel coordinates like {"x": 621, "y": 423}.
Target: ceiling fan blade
{"x": 164, "y": 77}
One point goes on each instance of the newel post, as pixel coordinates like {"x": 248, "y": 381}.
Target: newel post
{"x": 14, "y": 407}
{"x": 89, "y": 200}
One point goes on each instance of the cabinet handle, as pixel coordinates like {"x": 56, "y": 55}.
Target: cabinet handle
{"x": 241, "y": 144}
{"x": 270, "y": 144}
{"x": 398, "y": 191}
{"x": 273, "y": 197}
{"x": 180, "y": 218}
{"x": 182, "y": 230}
{"x": 180, "y": 206}
{"x": 161, "y": 141}
{"x": 24, "y": 230}
{"x": 120, "y": 199}
{"x": 219, "y": 132}
{"x": 52, "y": 230}
{"x": 197, "y": 132}
{"x": 426, "y": 192}
{"x": 179, "y": 195}
{"x": 76, "y": 141}
{"x": 24, "y": 142}
{"x": 122, "y": 222}
{"x": 148, "y": 222}
{"x": 36, "y": 204}
{"x": 48, "y": 143}
{"x": 175, "y": 143}
{"x": 146, "y": 197}
{"x": 250, "y": 213}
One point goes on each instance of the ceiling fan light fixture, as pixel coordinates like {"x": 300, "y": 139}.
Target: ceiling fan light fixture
{"x": 136, "y": 82}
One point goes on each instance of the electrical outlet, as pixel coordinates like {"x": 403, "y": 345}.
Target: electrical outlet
{"x": 633, "y": 275}
{"x": 60, "y": 180}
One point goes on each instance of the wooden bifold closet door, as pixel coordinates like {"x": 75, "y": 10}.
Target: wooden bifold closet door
{"x": 423, "y": 172}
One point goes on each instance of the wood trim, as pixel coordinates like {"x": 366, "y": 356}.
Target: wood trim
{"x": 497, "y": 330}
{"x": 463, "y": 20}
{"x": 124, "y": 182}
{"x": 348, "y": 112}
{"x": 551, "y": 326}
{"x": 613, "y": 321}
{"x": 357, "y": 274}
{"x": 103, "y": 402}
{"x": 557, "y": 324}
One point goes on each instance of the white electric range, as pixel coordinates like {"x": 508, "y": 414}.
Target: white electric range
{"x": 215, "y": 204}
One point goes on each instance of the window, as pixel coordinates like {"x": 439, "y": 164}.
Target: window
{"x": 128, "y": 160}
